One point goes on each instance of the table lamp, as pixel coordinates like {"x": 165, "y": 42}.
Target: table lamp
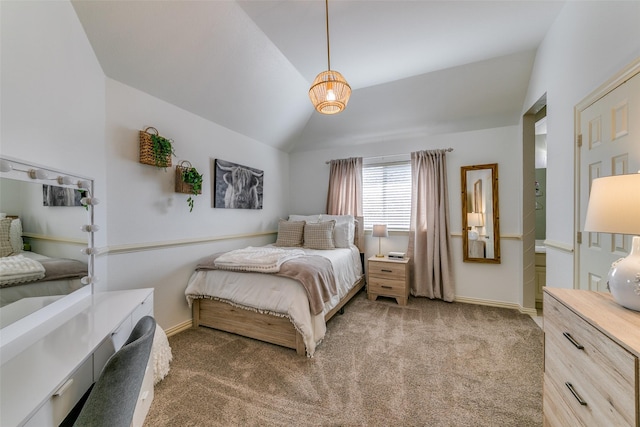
{"x": 614, "y": 207}
{"x": 379, "y": 230}
{"x": 474, "y": 219}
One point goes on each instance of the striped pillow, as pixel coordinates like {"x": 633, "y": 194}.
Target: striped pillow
{"x": 319, "y": 235}
{"x": 290, "y": 233}
{"x": 5, "y": 242}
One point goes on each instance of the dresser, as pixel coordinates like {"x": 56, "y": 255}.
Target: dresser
{"x": 388, "y": 277}
{"x": 591, "y": 353}
{"x": 43, "y": 376}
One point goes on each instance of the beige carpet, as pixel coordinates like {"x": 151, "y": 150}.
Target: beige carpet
{"x": 430, "y": 363}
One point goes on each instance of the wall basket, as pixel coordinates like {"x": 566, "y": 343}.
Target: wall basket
{"x": 147, "y": 153}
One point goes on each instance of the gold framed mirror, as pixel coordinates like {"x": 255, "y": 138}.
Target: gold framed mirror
{"x": 480, "y": 214}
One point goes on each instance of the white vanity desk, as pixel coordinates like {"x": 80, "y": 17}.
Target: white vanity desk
{"x": 43, "y": 374}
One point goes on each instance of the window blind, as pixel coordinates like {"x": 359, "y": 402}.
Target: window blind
{"x": 386, "y": 195}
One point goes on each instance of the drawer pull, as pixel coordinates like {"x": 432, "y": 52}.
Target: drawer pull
{"x": 63, "y": 388}
{"x": 568, "y": 336}
{"x": 386, "y": 287}
{"x": 575, "y": 394}
{"x": 386, "y": 271}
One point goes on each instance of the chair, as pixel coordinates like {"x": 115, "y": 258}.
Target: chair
{"x": 112, "y": 400}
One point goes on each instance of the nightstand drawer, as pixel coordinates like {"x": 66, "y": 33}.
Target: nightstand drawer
{"x": 387, "y": 270}
{"x": 391, "y": 288}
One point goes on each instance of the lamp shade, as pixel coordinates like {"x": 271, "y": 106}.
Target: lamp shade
{"x": 614, "y": 205}
{"x": 475, "y": 219}
{"x": 329, "y": 92}
{"x": 379, "y": 230}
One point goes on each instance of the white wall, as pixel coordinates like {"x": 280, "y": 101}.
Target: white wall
{"x": 588, "y": 43}
{"x": 143, "y": 209}
{"x": 493, "y": 283}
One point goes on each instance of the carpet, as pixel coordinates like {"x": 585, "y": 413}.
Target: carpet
{"x": 429, "y": 363}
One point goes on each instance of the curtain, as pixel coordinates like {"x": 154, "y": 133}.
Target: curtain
{"x": 345, "y": 187}
{"x": 429, "y": 243}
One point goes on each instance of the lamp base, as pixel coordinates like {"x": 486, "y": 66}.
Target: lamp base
{"x": 379, "y": 255}
{"x": 624, "y": 278}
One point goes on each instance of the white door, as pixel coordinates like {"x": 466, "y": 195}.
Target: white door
{"x": 610, "y": 134}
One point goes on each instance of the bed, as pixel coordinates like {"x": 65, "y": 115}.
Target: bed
{"x": 29, "y": 274}
{"x": 278, "y": 307}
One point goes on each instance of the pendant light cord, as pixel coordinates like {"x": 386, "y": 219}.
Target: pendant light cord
{"x": 326, "y": 3}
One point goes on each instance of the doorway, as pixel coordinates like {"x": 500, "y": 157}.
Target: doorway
{"x": 533, "y": 197}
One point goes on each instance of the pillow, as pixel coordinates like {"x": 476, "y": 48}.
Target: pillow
{"x": 15, "y": 236}
{"x": 5, "y": 243}
{"x": 319, "y": 235}
{"x": 290, "y": 233}
{"x": 306, "y": 218}
{"x": 345, "y": 230}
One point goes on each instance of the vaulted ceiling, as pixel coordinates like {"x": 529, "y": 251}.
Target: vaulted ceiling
{"x": 415, "y": 67}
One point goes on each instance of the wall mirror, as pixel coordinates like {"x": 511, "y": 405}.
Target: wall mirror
{"x": 55, "y": 214}
{"x": 480, "y": 216}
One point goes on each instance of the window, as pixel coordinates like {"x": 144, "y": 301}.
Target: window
{"x": 386, "y": 195}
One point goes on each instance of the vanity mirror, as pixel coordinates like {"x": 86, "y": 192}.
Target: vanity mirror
{"x": 480, "y": 216}
{"x": 49, "y": 258}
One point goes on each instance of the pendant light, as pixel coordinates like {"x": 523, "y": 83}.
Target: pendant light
{"x": 329, "y": 92}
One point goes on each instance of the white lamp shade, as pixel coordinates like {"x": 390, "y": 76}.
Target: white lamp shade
{"x": 614, "y": 205}
{"x": 380, "y": 230}
{"x": 475, "y": 219}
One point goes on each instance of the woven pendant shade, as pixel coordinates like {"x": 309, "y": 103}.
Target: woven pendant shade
{"x": 330, "y": 92}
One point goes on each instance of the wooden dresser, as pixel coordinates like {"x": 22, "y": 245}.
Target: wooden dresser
{"x": 592, "y": 348}
{"x": 388, "y": 277}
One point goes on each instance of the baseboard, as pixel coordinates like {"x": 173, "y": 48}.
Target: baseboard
{"x": 501, "y": 304}
{"x": 179, "y": 327}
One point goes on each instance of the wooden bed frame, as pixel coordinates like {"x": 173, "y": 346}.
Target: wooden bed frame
{"x": 265, "y": 327}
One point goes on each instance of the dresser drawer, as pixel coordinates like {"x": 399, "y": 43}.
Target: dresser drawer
{"x": 387, "y": 270}
{"x": 580, "y": 359}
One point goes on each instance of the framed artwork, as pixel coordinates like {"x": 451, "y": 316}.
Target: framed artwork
{"x": 53, "y": 195}
{"x": 237, "y": 186}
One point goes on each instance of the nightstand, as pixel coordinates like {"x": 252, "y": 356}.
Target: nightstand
{"x": 388, "y": 277}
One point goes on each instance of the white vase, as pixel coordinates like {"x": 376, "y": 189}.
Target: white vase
{"x": 624, "y": 278}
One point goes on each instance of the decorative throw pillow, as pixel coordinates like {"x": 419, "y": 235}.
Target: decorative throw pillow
{"x": 15, "y": 236}
{"x": 290, "y": 233}
{"x": 5, "y": 242}
{"x": 307, "y": 218}
{"x": 319, "y": 235}
{"x": 344, "y": 231}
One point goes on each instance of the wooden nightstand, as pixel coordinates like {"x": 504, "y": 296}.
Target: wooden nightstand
{"x": 389, "y": 278}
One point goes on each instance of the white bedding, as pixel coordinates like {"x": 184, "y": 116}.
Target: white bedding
{"x": 279, "y": 296}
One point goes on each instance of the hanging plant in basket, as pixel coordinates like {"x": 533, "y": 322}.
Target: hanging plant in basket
{"x": 155, "y": 150}
{"x": 188, "y": 181}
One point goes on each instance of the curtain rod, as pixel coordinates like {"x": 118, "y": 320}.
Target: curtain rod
{"x": 392, "y": 155}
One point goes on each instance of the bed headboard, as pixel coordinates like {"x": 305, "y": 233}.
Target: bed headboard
{"x": 359, "y": 235}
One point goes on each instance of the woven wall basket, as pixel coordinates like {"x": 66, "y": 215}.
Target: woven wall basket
{"x": 181, "y": 186}
{"x": 147, "y": 155}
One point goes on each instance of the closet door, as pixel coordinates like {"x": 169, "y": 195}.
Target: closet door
{"x": 608, "y": 144}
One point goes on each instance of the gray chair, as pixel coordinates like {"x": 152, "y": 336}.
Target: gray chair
{"x": 112, "y": 400}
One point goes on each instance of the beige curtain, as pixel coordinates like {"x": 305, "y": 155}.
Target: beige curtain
{"x": 429, "y": 245}
{"x": 345, "y": 187}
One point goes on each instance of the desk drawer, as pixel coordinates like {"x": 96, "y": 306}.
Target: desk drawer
{"x": 53, "y": 412}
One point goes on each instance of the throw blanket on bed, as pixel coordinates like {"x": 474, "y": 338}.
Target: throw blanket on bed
{"x": 256, "y": 259}
{"x": 19, "y": 269}
{"x": 314, "y": 272}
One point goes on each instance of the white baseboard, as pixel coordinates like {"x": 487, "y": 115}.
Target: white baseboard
{"x": 187, "y": 324}
{"x": 502, "y": 304}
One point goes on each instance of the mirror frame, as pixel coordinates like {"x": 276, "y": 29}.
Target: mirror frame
{"x": 493, "y": 169}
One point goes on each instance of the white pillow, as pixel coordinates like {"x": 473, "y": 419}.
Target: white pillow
{"x": 306, "y": 218}
{"x": 15, "y": 236}
{"x": 345, "y": 230}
